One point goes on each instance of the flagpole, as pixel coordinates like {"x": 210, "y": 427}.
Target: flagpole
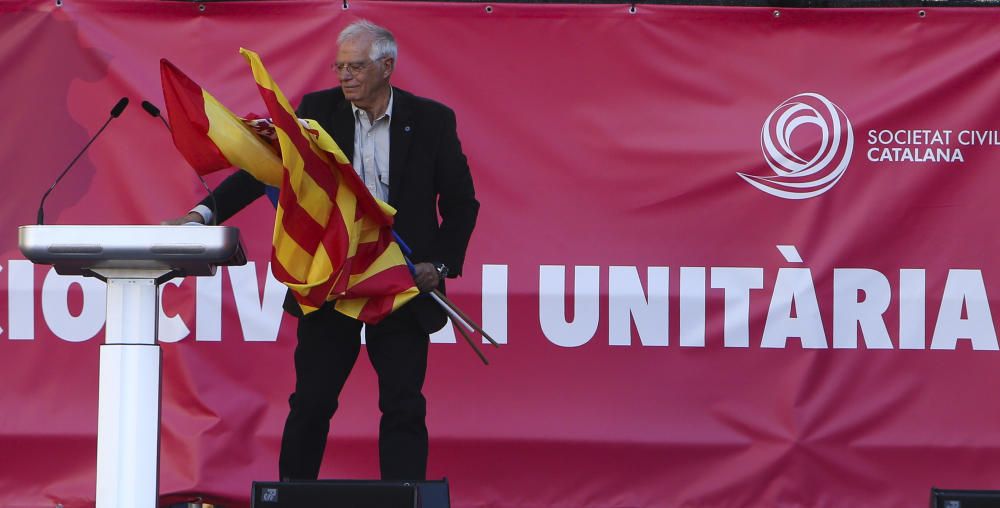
{"x": 465, "y": 335}
{"x": 456, "y": 314}
{"x": 444, "y": 301}
{"x": 452, "y": 312}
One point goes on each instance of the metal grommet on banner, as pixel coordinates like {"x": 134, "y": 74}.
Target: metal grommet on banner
{"x": 777, "y": 13}
{"x": 489, "y": 9}
{"x": 201, "y": 7}
{"x": 346, "y": 5}
{"x": 922, "y": 13}
{"x": 59, "y": 3}
{"x": 631, "y": 9}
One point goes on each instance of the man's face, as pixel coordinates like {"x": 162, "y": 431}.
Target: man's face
{"x": 361, "y": 78}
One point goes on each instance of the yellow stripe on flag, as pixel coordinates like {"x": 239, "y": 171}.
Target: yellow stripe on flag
{"x": 239, "y": 144}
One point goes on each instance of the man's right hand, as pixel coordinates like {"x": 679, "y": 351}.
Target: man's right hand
{"x": 426, "y": 277}
{"x": 190, "y": 217}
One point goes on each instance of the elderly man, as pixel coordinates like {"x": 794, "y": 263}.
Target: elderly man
{"x": 406, "y": 150}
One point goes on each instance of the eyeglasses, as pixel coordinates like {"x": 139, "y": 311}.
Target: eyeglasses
{"x": 353, "y": 67}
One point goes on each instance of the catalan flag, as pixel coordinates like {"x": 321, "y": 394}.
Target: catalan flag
{"x": 210, "y": 136}
{"x": 332, "y": 240}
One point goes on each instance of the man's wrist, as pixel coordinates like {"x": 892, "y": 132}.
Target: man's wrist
{"x": 205, "y": 213}
{"x": 442, "y": 269}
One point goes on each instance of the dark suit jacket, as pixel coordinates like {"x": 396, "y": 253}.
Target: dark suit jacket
{"x": 428, "y": 176}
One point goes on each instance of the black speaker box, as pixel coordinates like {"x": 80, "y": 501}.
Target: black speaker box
{"x": 350, "y": 494}
{"x": 941, "y": 498}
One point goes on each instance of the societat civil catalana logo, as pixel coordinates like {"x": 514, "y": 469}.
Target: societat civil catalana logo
{"x": 804, "y": 175}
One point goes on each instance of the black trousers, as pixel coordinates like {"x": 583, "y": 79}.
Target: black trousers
{"x": 328, "y": 346}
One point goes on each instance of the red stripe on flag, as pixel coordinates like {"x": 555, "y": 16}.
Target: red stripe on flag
{"x": 367, "y": 253}
{"x": 376, "y": 309}
{"x": 366, "y": 202}
{"x": 391, "y": 280}
{"x": 296, "y": 221}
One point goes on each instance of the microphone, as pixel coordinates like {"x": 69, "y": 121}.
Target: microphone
{"x": 150, "y": 108}
{"x": 115, "y": 112}
{"x": 155, "y": 113}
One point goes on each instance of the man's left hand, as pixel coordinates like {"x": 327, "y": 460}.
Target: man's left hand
{"x": 426, "y": 277}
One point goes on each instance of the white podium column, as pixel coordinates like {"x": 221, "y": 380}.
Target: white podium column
{"x": 128, "y": 414}
{"x": 133, "y": 260}
{"x": 132, "y": 310}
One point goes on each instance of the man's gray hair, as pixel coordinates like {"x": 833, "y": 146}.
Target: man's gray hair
{"x": 383, "y": 43}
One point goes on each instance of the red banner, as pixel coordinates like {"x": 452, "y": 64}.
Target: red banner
{"x": 737, "y": 256}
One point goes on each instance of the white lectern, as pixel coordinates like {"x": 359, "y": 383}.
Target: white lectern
{"x": 133, "y": 261}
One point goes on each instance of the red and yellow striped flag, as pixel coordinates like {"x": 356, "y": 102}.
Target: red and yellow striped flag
{"x": 332, "y": 240}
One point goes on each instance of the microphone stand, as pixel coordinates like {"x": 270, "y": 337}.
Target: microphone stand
{"x": 117, "y": 110}
{"x": 155, "y": 113}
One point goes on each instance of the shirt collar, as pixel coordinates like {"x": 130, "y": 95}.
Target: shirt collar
{"x": 388, "y": 109}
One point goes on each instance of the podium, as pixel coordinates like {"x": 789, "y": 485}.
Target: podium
{"x": 133, "y": 261}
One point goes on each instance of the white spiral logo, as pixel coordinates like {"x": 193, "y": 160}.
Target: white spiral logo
{"x": 795, "y": 176}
